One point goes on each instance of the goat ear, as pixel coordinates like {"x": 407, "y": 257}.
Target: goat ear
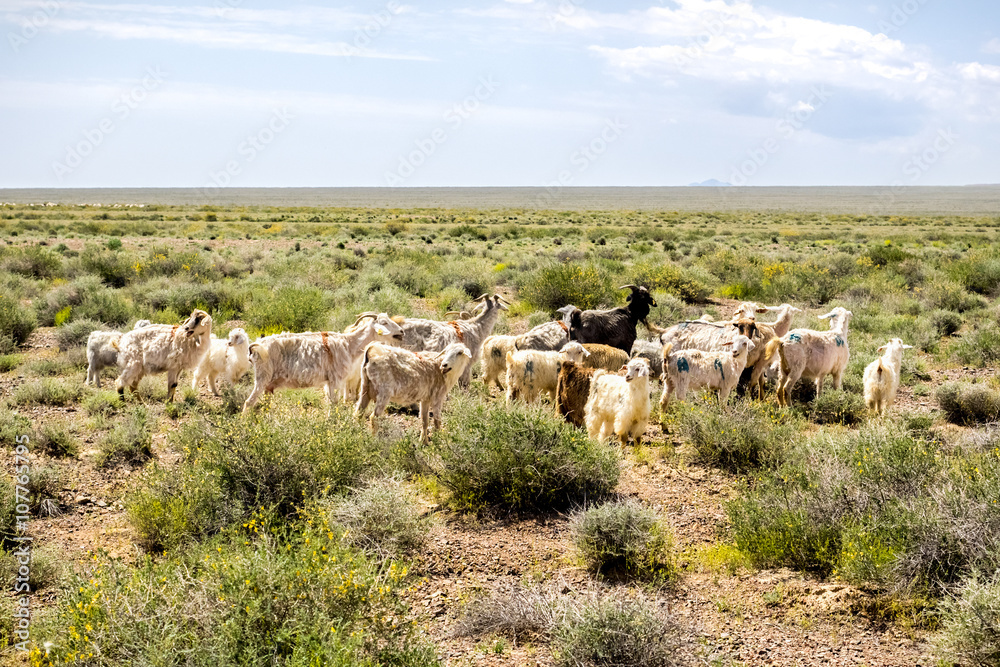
{"x": 907, "y": 347}
{"x": 624, "y": 366}
{"x": 726, "y": 344}
{"x": 381, "y": 330}
{"x": 881, "y": 349}
{"x": 763, "y": 310}
{"x": 467, "y": 352}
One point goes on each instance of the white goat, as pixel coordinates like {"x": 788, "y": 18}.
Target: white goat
{"x": 101, "y": 352}
{"x": 809, "y": 354}
{"x": 764, "y": 333}
{"x": 882, "y": 376}
{"x": 534, "y": 372}
{"x": 321, "y": 359}
{"x": 421, "y": 335}
{"x": 159, "y": 348}
{"x": 547, "y": 335}
{"x": 398, "y": 375}
{"x": 228, "y": 358}
{"x": 692, "y": 369}
{"x": 619, "y": 405}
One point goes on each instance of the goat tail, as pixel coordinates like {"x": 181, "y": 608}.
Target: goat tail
{"x": 667, "y": 349}
{"x": 773, "y": 346}
{"x": 880, "y": 368}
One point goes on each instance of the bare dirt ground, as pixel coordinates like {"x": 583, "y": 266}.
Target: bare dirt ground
{"x": 726, "y": 618}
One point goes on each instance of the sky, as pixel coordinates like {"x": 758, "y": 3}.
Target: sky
{"x": 390, "y": 93}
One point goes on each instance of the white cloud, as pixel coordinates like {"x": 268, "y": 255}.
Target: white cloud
{"x": 225, "y": 27}
{"x": 992, "y": 46}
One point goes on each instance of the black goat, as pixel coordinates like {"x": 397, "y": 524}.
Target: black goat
{"x": 615, "y": 327}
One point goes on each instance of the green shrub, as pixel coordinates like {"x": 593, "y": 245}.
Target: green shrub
{"x": 75, "y": 333}
{"x": 979, "y": 273}
{"x": 115, "y": 269}
{"x": 837, "y": 407}
{"x": 964, "y": 403}
{"x": 9, "y": 362}
{"x": 102, "y": 402}
{"x": 616, "y": 633}
{"x": 382, "y": 519}
{"x": 584, "y": 286}
{"x": 970, "y": 623}
{"x": 686, "y": 283}
{"x": 48, "y": 391}
{"x": 623, "y": 539}
{"x": 945, "y": 322}
{"x": 738, "y": 436}
{"x": 44, "y": 484}
{"x": 279, "y": 460}
{"x": 12, "y": 425}
{"x": 519, "y": 458}
{"x": 884, "y": 506}
{"x": 64, "y": 364}
{"x": 980, "y": 347}
{"x": 46, "y": 569}
{"x": 263, "y": 599}
{"x": 287, "y": 308}
{"x": 130, "y": 442}
{"x": 31, "y": 262}
{"x": 55, "y": 439}
{"x": 17, "y": 322}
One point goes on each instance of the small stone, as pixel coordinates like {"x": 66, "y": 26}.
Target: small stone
{"x": 101, "y": 503}
{"x": 82, "y": 500}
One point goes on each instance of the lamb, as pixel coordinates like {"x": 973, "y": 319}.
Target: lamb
{"x": 619, "y": 405}
{"x": 421, "y": 335}
{"x": 606, "y": 357}
{"x": 882, "y": 376}
{"x": 615, "y": 327}
{"x": 651, "y": 351}
{"x": 812, "y": 354}
{"x": 101, "y": 352}
{"x": 227, "y": 358}
{"x": 399, "y": 375}
{"x": 321, "y": 359}
{"x": 159, "y": 348}
{"x": 534, "y": 372}
{"x": 692, "y": 369}
{"x": 495, "y": 350}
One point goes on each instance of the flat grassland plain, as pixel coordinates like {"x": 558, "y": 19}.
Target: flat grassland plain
{"x": 740, "y": 534}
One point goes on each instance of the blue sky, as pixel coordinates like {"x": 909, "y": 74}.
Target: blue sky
{"x": 520, "y": 92}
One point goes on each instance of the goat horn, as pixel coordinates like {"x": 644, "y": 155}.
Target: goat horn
{"x": 628, "y": 287}
{"x": 364, "y": 315}
{"x": 500, "y": 298}
{"x": 481, "y": 297}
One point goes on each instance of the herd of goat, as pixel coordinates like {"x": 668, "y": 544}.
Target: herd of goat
{"x": 589, "y": 362}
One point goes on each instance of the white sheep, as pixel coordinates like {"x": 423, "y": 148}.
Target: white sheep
{"x": 809, "y": 354}
{"x": 685, "y": 370}
{"x": 619, "y": 405}
{"x": 228, "y": 358}
{"x": 405, "y": 377}
{"x": 320, "y": 359}
{"x": 159, "y": 348}
{"x": 882, "y": 376}
{"x": 531, "y": 373}
{"x": 102, "y": 353}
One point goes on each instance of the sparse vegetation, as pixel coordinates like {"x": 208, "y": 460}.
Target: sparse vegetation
{"x": 904, "y": 507}
{"x": 622, "y": 540}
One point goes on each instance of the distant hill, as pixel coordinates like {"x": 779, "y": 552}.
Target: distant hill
{"x": 711, "y": 183}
